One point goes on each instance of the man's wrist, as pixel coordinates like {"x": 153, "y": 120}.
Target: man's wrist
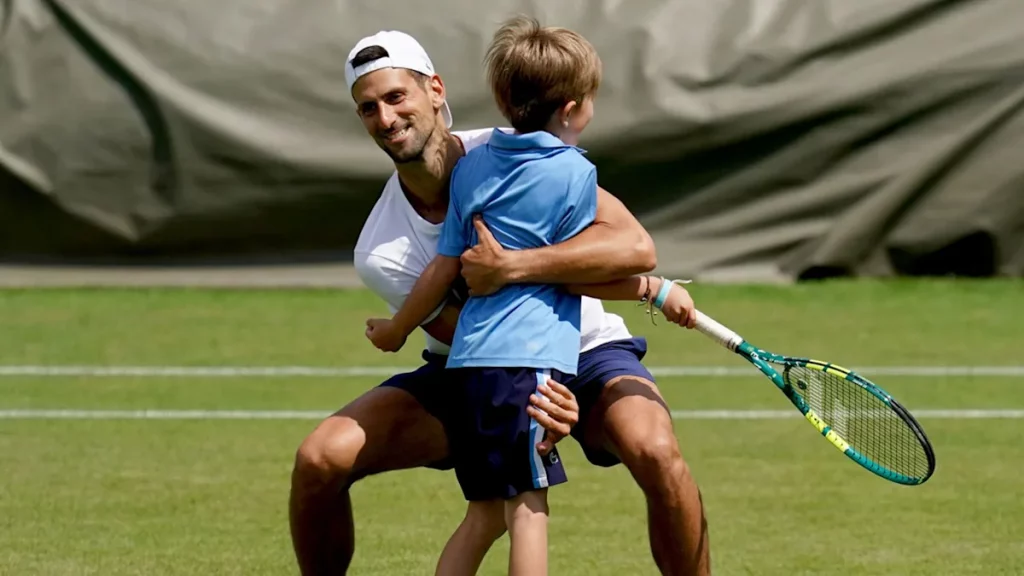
{"x": 662, "y": 294}
{"x": 514, "y": 267}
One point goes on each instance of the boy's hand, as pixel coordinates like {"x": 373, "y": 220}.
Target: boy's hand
{"x": 679, "y": 307}
{"x": 385, "y": 334}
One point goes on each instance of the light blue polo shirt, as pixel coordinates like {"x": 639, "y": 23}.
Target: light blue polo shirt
{"x": 532, "y": 190}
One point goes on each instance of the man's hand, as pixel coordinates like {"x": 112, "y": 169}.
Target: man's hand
{"x": 678, "y": 307}
{"x": 556, "y": 410}
{"x": 485, "y": 266}
{"x": 385, "y": 334}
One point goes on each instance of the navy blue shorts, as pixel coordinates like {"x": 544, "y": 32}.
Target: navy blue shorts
{"x": 433, "y": 388}
{"x": 596, "y": 368}
{"x": 492, "y": 438}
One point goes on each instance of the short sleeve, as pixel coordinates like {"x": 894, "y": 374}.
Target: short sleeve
{"x": 389, "y": 280}
{"x": 580, "y": 203}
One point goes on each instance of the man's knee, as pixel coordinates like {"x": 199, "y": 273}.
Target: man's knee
{"x": 653, "y": 457}
{"x": 327, "y": 457}
{"x": 639, "y": 425}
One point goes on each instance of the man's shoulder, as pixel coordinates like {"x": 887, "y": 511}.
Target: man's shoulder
{"x": 473, "y": 138}
{"x": 381, "y": 259}
{"x": 382, "y": 216}
{"x": 390, "y": 239}
{"x": 477, "y": 137}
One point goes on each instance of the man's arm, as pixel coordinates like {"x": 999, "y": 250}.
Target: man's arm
{"x": 615, "y": 246}
{"x": 667, "y": 296}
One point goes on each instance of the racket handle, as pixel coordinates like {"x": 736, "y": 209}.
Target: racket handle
{"x": 717, "y": 332}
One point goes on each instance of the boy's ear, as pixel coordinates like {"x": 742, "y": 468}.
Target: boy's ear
{"x": 565, "y": 112}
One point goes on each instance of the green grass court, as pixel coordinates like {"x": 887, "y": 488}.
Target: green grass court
{"x": 113, "y": 496}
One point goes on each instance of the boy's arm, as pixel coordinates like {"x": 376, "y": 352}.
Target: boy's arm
{"x": 428, "y": 292}
{"x": 613, "y": 247}
{"x": 432, "y": 285}
{"x": 393, "y": 281}
{"x": 442, "y": 327}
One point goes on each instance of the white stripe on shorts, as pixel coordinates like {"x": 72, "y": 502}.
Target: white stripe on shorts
{"x": 540, "y": 473}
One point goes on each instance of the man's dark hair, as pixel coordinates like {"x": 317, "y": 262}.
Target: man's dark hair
{"x": 371, "y": 53}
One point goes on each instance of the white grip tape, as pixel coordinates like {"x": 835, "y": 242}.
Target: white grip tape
{"x": 717, "y": 332}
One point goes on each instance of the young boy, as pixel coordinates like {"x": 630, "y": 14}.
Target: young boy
{"x": 533, "y": 188}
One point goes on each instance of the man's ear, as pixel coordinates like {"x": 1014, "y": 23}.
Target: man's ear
{"x": 437, "y": 91}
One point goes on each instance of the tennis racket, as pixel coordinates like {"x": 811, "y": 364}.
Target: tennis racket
{"x": 856, "y": 416}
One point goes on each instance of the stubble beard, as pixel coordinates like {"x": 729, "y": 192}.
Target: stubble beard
{"x": 415, "y": 155}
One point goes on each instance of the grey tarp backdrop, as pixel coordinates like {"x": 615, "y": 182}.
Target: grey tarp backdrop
{"x": 754, "y": 138}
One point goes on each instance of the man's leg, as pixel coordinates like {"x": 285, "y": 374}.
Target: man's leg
{"x": 631, "y": 421}
{"x": 384, "y": 429}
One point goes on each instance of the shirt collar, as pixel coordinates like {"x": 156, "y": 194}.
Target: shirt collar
{"x": 529, "y": 141}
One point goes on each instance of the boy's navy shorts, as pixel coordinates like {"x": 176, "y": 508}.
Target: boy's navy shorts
{"x": 492, "y": 438}
{"x": 434, "y": 387}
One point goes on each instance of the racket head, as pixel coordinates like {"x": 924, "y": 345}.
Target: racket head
{"x": 861, "y": 419}
{"x": 898, "y": 450}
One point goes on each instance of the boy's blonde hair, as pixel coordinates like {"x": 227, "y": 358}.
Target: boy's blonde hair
{"x": 533, "y": 71}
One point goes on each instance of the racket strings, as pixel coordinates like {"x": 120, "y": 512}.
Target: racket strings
{"x": 866, "y": 422}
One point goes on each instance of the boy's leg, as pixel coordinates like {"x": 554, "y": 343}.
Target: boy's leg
{"x": 495, "y": 447}
{"x": 528, "y": 476}
{"x": 484, "y": 523}
{"x": 526, "y": 516}
{"x": 496, "y": 456}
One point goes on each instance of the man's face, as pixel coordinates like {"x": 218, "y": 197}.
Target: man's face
{"x": 397, "y": 111}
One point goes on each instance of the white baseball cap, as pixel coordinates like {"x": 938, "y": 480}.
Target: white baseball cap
{"x": 403, "y": 52}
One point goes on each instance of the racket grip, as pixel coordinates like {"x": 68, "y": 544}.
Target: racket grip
{"x": 717, "y": 332}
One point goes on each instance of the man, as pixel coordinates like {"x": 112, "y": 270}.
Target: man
{"x": 400, "y": 424}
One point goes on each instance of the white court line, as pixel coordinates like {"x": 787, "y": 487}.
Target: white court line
{"x": 342, "y": 371}
{"x": 32, "y": 414}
